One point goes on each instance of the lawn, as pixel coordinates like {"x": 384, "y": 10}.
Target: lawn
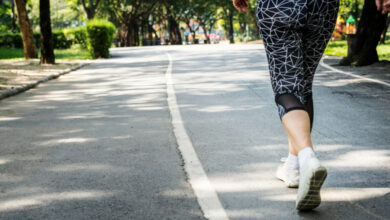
{"x": 69, "y": 54}
{"x": 340, "y": 48}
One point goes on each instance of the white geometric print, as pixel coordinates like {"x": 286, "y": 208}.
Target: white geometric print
{"x": 295, "y": 34}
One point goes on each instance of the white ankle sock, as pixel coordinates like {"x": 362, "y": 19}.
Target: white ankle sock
{"x": 304, "y": 154}
{"x": 292, "y": 162}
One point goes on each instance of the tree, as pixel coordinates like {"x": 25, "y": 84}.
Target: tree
{"x": 174, "y": 12}
{"x": 362, "y": 46}
{"x": 206, "y": 13}
{"x": 228, "y": 15}
{"x": 129, "y": 15}
{"x": 383, "y": 35}
{"x": 30, "y": 50}
{"x": 90, "y": 9}
{"x": 47, "y": 51}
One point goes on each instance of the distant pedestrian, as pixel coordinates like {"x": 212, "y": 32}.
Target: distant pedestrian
{"x": 295, "y": 34}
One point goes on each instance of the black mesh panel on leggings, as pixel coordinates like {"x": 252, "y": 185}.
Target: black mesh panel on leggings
{"x": 289, "y": 102}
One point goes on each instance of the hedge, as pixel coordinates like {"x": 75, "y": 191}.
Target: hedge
{"x": 100, "y": 34}
{"x": 97, "y": 36}
{"x": 11, "y": 40}
{"x": 14, "y": 40}
{"x": 60, "y": 41}
{"x": 76, "y": 35}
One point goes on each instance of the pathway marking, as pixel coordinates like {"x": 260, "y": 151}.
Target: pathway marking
{"x": 353, "y": 75}
{"x": 204, "y": 191}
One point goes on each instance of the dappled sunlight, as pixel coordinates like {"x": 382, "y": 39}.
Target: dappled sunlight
{"x": 7, "y": 178}
{"x": 323, "y": 148}
{"x": 43, "y": 199}
{"x": 361, "y": 159}
{"x": 339, "y": 194}
{"x": 89, "y": 115}
{"x": 4, "y": 161}
{"x": 217, "y": 108}
{"x": 72, "y": 140}
{"x": 247, "y": 213}
{"x": 228, "y": 185}
{"x": 86, "y": 167}
{"x": 340, "y": 82}
{"x": 62, "y": 132}
{"x": 9, "y": 118}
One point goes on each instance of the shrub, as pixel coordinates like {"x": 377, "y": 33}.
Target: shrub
{"x": 37, "y": 39}
{"x": 60, "y": 41}
{"x": 100, "y": 34}
{"x": 77, "y": 35}
{"x": 11, "y": 40}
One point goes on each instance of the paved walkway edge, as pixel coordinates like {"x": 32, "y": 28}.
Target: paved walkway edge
{"x": 20, "y": 89}
{"x": 351, "y": 74}
{"x": 197, "y": 177}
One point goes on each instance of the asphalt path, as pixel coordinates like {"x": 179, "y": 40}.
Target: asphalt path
{"x": 100, "y": 143}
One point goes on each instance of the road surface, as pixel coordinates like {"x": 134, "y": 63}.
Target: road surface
{"x": 104, "y": 143}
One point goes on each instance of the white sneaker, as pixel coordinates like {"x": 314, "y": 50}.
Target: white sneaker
{"x": 312, "y": 176}
{"x": 289, "y": 176}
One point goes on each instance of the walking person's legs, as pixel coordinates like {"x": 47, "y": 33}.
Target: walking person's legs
{"x": 294, "y": 47}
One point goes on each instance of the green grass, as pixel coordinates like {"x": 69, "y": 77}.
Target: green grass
{"x": 340, "y": 48}
{"x": 10, "y": 53}
{"x": 74, "y": 53}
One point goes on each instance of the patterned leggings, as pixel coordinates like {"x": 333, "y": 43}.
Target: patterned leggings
{"x": 295, "y": 34}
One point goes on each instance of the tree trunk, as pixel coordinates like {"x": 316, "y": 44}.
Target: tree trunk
{"x": 30, "y": 50}
{"x": 13, "y": 17}
{"x": 136, "y": 35}
{"x": 362, "y": 46}
{"x": 47, "y": 51}
{"x": 130, "y": 35}
{"x": 206, "y": 32}
{"x": 174, "y": 31}
{"x": 90, "y": 10}
{"x": 231, "y": 30}
{"x": 123, "y": 35}
{"x": 383, "y": 35}
{"x": 89, "y": 13}
{"x": 150, "y": 32}
{"x": 242, "y": 27}
{"x": 255, "y": 29}
{"x": 193, "y": 32}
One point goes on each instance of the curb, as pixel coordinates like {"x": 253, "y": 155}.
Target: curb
{"x": 20, "y": 89}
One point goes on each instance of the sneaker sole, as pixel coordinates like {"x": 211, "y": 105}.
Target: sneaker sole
{"x": 312, "y": 199}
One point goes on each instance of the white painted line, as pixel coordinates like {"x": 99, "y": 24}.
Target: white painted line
{"x": 353, "y": 75}
{"x": 204, "y": 191}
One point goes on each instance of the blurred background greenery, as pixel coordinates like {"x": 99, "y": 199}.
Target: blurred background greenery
{"x": 156, "y": 22}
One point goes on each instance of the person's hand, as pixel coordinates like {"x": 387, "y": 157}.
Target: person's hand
{"x": 242, "y": 5}
{"x": 383, "y": 5}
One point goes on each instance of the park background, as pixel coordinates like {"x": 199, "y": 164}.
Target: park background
{"x": 169, "y": 22}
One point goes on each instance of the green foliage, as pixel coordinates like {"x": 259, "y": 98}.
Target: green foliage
{"x": 69, "y": 54}
{"x": 351, "y": 7}
{"x": 75, "y": 52}
{"x": 11, "y": 40}
{"x": 6, "y": 16}
{"x": 77, "y": 35}
{"x": 11, "y": 53}
{"x": 60, "y": 41}
{"x": 340, "y": 48}
{"x": 100, "y": 34}
{"x": 62, "y": 14}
